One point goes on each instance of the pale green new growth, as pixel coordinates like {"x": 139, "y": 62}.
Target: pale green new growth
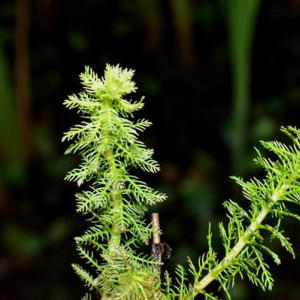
{"x": 117, "y": 201}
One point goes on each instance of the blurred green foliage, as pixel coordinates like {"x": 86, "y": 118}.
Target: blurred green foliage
{"x": 12, "y": 164}
{"x": 241, "y": 18}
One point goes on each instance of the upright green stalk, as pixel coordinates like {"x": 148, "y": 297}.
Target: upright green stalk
{"x": 10, "y": 133}
{"x": 116, "y": 201}
{"x": 182, "y": 21}
{"x": 241, "y": 17}
{"x": 116, "y": 197}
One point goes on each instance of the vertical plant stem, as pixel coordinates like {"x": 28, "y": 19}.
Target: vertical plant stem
{"x": 241, "y": 22}
{"x": 156, "y": 228}
{"x": 156, "y": 242}
{"x": 154, "y": 24}
{"x": 116, "y": 196}
{"x": 11, "y": 150}
{"x": 182, "y": 21}
{"x": 22, "y": 72}
{"x": 116, "y": 231}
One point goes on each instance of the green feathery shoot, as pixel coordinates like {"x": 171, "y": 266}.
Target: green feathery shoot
{"x": 116, "y": 202}
{"x": 107, "y": 140}
{"x": 244, "y": 236}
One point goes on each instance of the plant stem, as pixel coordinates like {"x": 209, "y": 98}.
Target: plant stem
{"x": 22, "y": 75}
{"x": 242, "y": 15}
{"x": 156, "y": 243}
{"x": 239, "y": 246}
{"x": 115, "y": 237}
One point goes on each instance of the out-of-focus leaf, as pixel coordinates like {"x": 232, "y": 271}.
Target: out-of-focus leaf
{"x": 59, "y": 231}
{"x": 263, "y": 128}
{"x": 78, "y": 42}
{"x": 241, "y": 19}
{"x": 21, "y": 242}
{"x": 9, "y": 131}
{"x": 198, "y": 198}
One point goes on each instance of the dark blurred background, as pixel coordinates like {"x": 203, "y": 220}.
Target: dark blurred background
{"x": 218, "y": 76}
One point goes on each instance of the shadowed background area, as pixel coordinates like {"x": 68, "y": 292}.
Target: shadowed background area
{"x": 218, "y": 76}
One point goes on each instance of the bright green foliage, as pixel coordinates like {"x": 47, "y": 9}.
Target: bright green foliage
{"x": 117, "y": 201}
{"x": 244, "y": 236}
{"x": 107, "y": 140}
